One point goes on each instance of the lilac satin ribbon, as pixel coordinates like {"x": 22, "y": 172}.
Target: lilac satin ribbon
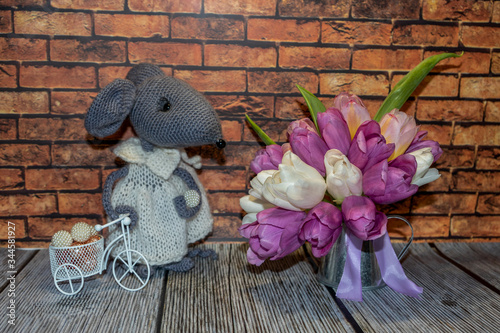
{"x": 390, "y": 267}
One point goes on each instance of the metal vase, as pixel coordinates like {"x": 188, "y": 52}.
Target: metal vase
{"x": 332, "y": 265}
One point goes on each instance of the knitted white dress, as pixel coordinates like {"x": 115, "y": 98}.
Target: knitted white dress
{"x": 150, "y": 188}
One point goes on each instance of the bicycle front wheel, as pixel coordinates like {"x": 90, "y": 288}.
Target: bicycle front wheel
{"x": 129, "y": 267}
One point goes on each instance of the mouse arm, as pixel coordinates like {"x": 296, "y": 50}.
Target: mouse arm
{"x": 180, "y": 202}
{"x": 114, "y": 213}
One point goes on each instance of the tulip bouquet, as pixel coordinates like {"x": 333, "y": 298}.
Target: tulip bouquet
{"x": 329, "y": 176}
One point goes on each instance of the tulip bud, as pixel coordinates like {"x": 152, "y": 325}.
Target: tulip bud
{"x": 342, "y": 178}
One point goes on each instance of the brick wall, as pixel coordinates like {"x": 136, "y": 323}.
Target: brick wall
{"x": 246, "y": 56}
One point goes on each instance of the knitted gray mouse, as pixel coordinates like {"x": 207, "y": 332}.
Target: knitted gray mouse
{"x": 158, "y": 187}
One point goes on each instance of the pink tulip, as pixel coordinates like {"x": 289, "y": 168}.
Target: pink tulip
{"x": 353, "y": 110}
{"x": 267, "y": 159}
{"x": 334, "y": 130}
{"x": 398, "y": 128}
{"x": 301, "y": 123}
{"x": 311, "y": 149}
{"x": 386, "y": 183}
{"x": 369, "y": 146}
{"x": 321, "y": 227}
{"x": 362, "y": 218}
{"x": 418, "y": 144}
{"x": 274, "y": 235}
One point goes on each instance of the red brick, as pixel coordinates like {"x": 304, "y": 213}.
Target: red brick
{"x": 456, "y": 10}
{"x": 19, "y": 49}
{"x": 475, "y": 226}
{"x": 488, "y": 204}
{"x": 442, "y": 184}
{"x": 184, "y": 6}
{"x": 224, "y": 179}
{"x": 495, "y": 63}
{"x": 23, "y": 3}
{"x": 444, "y": 203}
{"x": 346, "y": 32}
{"x": 381, "y": 59}
{"x": 27, "y": 204}
{"x": 496, "y": 12}
{"x": 57, "y": 23}
{"x": 8, "y": 129}
{"x": 89, "y": 4}
{"x": 480, "y": 36}
{"x": 409, "y": 9}
{"x": 480, "y": 87}
{"x": 439, "y": 133}
{"x": 456, "y": 158}
{"x": 87, "y": 51}
{"x": 434, "y": 85}
{"x": 208, "y": 28}
{"x": 46, "y": 227}
{"x": 425, "y": 35}
{"x": 449, "y": 110}
{"x": 71, "y": 102}
{"x": 17, "y": 224}
{"x": 62, "y": 179}
{"x": 492, "y": 112}
{"x": 276, "y": 129}
{"x": 24, "y": 102}
{"x": 314, "y": 57}
{"x": 239, "y": 56}
{"x": 82, "y": 155}
{"x": 80, "y": 203}
{"x": 488, "y": 158}
{"x": 241, "y": 7}
{"x": 12, "y": 179}
{"x": 358, "y": 84}
{"x": 281, "y": 82}
{"x": 238, "y": 106}
{"x": 51, "y": 129}
{"x": 24, "y": 154}
{"x": 5, "y": 21}
{"x": 223, "y": 202}
{"x": 57, "y": 77}
{"x": 401, "y": 207}
{"x": 291, "y": 108}
{"x": 233, "y": 155}
{"x": 487, "y": 135}
{"x": 470, "y": 62}
{"x": 231, "y": 130}
{"x": 226, "y": 227}
{"x": 132, "y": 25}
{"x": 283, "y": 30}
{"x": 486, "y": 181}
{"x": 8, "y": 76}
{"x": 217, "y": 81}
{"x": 325, "y": 8}
{"x": 423, "y": 226}
{"x": 165, "y": 53}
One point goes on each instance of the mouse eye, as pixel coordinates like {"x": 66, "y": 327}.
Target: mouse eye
{"x": 164, "y": 104}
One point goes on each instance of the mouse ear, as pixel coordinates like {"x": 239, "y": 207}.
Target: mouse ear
{"x": 110, "y": 108}
{"x": 139, "y": 73}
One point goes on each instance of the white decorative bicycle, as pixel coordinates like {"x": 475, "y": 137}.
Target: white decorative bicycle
{"x": 70, "y": 265}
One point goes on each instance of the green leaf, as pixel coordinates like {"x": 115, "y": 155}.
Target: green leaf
{"x": 267, "y": 140}
{"x": 313, "y": 103}
{"x": 407, "y": 85}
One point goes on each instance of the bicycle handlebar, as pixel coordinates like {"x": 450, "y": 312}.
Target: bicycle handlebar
{"x": 124, "y": 219}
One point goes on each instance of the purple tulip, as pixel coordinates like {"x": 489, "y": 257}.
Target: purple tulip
{"x": 302, "y": 123}
{"x": 418, "y": 144}
{"x": 353, "y": 110}
{"x": 368, "y": 146}
{"x": 274, "y": 235}
{"x": 362, "y": 218}
{"x": 334, "y": 130}
{"x": 309, "y": 147}
{"x": 321, "y": 227}
{"x": 387, "y": 183}
{"x": 267, "y": 159}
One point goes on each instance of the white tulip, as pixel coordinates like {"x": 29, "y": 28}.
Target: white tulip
{"x": 424, "y": 175}
{"x": 258, "y": 182}
{"x": 295, "y": 186}
{"x": 252, "y": 206}
{"x": 343, "y": 179}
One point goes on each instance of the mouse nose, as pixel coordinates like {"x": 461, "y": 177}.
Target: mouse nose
{"x": 220, "y": 144}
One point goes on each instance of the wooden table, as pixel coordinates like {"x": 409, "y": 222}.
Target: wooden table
{"x": 461, "y": 294}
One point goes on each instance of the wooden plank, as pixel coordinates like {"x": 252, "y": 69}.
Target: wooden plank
{"x": 101, "y": 306}
{"x": 21, "y": 257}
{"x": 481, "y": 259}
{"x": 452, "y": 300}
{"x": 229, "y": 295}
